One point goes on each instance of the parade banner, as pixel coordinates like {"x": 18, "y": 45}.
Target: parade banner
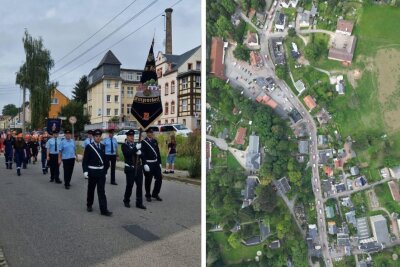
{"x": 53, "y": 125}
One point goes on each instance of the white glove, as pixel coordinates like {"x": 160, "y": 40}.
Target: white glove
{"x": 86, "y": 174}
{"x": 146, "y": 168}
{"x": 139, "y": 152}
{"x": 161, "y": 166}
{"x": 138, "y": 146}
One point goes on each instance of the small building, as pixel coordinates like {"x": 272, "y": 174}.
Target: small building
{"x": 351, "y": 217}
{"x": 341, "y": 187}
{"x": 217, "y": 58}
{"x": 304, "y": 19}
{"x": 346, "y": 201}
{"x": 395, "y": 172}
{"x": 328, "y": 171}
{"x": 303, "y": 147}
{"x": 253, "y": 156}
{"x": 324, "y": 155}
{"x": 252, "y": 41}
{"x": 380, "y": 229}
{"x": 322, "y": 140}
{"x": 310, "y": 102}
{"x": 314, "y": 10}
{"x": 266, "y": 100}
{"x": 342, "y": 48}
{"x": 330, "y": 213}
{"x": 300, "y": 87}
{"x": 256, "y": 60}
{"x": 58, "y": 101}
{"x": 332, "y": 229}
{"x": 240, "y": 136}
{"x": 354, "y": 170}
{"x": 343, "y": 240}
{"x": 295, "y": 115}
{"x": 289, "y": 3}
{"x": 276, "y": 50}
{"x": 283, "y": 185}
{"x": 344, "y": 27}
{"x": 323, "y": 116}
{"x": 340, "y": 87}
{"x": 363, "y": 231}
{"x": 249, "y": 192}
{"x": 370, "y": 245}
{"x": 385, "y": 173}
{"x": 275, "y": 244}
{"x": 394, "y": 190}
{"x": 280, "y": 20}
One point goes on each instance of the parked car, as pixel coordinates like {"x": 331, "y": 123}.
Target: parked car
{"x": 179, "y": 129}
{"x": 121, "y": 136}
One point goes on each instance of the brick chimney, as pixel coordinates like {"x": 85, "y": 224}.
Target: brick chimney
{"x": 168, "y": 31}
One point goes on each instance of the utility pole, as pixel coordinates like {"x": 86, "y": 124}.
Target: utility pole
{"x": 23, "y": 110}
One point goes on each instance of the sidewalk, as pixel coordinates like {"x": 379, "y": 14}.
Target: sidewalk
{"x": 181, "y": 176}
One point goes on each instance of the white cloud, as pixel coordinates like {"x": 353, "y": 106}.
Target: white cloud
{"x": 51, "y": 13}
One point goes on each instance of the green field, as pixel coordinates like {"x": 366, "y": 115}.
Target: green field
{"x": 384, "y": 258}
{"x": 385, "y": 198}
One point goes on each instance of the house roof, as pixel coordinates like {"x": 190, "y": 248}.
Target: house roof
{"x": 310, "y": 102}
{"x": 240, "y": 135}
{"x": 109, "y": 59}
{"x": 178, "y": 60}
{"x": 252, "y": 37}
{"x": 345, "y": 50}
{"x": 345, "y": 25}
{"x": 379, "y": 227}
{"x": 217, "y": 57}
{"x": 394, "y": 190}
{"x": 280, "y": 19}
{"x": 330, "y": 213}
{"x": 363, "y": 231}
{"x": 303, "y": 147}
{"x": 251, "y": 184}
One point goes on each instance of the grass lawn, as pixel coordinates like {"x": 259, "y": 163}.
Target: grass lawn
{"x": 385, "y": 198}
{"x": 345, "y": 262}
{"x": 230, "y": 255}
{"x": 384, "y": 258}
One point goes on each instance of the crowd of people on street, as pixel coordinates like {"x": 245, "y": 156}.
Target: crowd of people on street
{"x": 141, "y": 158}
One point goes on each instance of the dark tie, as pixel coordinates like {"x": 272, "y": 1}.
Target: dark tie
{"x": 55, "y": 141}
{"x": 112, "y": 146}
{"x": 98, "y": 146}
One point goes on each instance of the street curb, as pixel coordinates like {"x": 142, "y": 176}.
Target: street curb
{"x": 174, "y": 178}
{"x": 3, "y": 262}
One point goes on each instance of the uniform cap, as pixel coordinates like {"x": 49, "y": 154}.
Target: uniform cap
{"x": 67, "y": 131}
{"x": 97, "y": 132}
{"x": 149, "y": 130}
{"x": 130, "y": 132}
{"x": 54, "y": 132}
{"x": 90, "y": 132}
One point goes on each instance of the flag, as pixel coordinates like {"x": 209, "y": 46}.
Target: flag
{"x": 150, "y": 67}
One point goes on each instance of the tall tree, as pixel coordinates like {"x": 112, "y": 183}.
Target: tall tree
{"x": 80, "y": 90}
{"x": 10, "y": 110}
{"x": 74, "y": 108}
{"x": 34, "y": 75}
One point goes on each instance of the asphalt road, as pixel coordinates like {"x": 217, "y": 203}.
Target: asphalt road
{"x": 42, "y": 224}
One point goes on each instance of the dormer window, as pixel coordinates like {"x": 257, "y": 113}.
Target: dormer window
{"x": 190, "y": 66}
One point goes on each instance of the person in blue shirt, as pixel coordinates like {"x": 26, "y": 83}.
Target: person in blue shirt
{"x": 53, "y": 148}
{"x": 68, "y": 156}
{"x": 111, "y": 147}
{"x": 8, "y": 150}
{"x": 88, "y": 140}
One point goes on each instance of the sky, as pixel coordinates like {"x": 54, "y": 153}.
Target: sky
{"x": 63, "y": 25}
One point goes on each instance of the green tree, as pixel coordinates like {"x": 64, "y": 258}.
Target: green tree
{"x": 292, "y": 32}
{"x": 74, "y": 108}
{"x": 224, "y": 27}
{"x": 234, "y": 241}
{"x": 281, "y": 72}
{"x": 80, "y": 90}
{"x": 241, "y": 52}
{"x": 266, "y": 199}
{"x": 10, "y": 110}
{"x": 229, "y": 6}
{"x": 34, "y": 75}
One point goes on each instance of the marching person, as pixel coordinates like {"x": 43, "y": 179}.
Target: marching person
{"x": 88, "y": 140}
{"x": 111, "y": 147}
{"x": 19, "y": 152}
{"x": 53, "y": 148}
{"x": 28, "y": 155}
{"x": 43, "y": 151}
{"x": 94, "y": 168}
{"x": 34, "y": 148}
{"x": 169, "y": 168}
{"x": 8, "y": 150}
{"x": 133, "y": 170}
{"x": 151, "y": 165}
{"x": 68, "y": 156}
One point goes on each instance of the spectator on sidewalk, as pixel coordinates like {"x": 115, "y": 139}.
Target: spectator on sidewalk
{"x": 171, "y": 155}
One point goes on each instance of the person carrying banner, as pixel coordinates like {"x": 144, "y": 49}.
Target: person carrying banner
{"x": 152, "y": 165}
{"x": 68, "y": 156}
{"x": 53, "y": 148}
{"x": 19, "y": 152}
{"x": 8, "y": 150}
{"x": 111, "y": 149}
{"x": 94, "y": 168}
{"x": 133, "y": 170}
{"x": 43, "y": 151}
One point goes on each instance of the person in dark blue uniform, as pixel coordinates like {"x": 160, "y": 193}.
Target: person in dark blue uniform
{"x": 111, "y": 149}
{"x": 133, "y": 170}
{"x": 27, "y": 158}
{"x": 67, "y": 156}
{"x": 34, "y": 149}
{"x": 151, "y": 165}
{"x": 43, "y": 151}
{"x": 94, "y": 168}
{"x": 8, "y": 150}
{"x": 53, "y": 148}
{"x": 19, "y": 152}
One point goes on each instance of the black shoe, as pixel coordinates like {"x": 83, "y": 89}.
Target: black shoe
{"x": 58, "y": 182}
{"x": 114, "y": 183}
{"x": 126, "y": 204}
{"x": 166, "y": 172}
{"x": 18, "y": 172}
{"x": 148, "y": 199}
{"x": 51, "y": 180}
{"x": 171, "y": 171}
{"x": 89, "y": 209}
{"x": 106, "y": 213}
{"x": 67, "y": 187}
{"x": 157, "y": 198}
{"x": 141, "y": 206}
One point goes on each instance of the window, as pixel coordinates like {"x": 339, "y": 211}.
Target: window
{"x": 123, "y": 92}
{"x": 166, "y": 88}
{"x": 198, "y": 81}
{"x": 116, "y": 99}
{"x": 90, "y": 110}
{"x": 159, "y": 122}
{"x": 173, "y": 107}
{"x": 190, "y": 66}
{"x": 173, "y": 87}
{"x": 166, "y": 122}
{"x": 130, "y": 76}
{"x": 138, "y": 76}
{"x": 108, "y": 99}
{"x": 172, "y": 121}
{"x": 108, "y": 84}
{"x": 198, "y": 104}
{"x": 122, "y": 108}
{"x": 108, "y": 112}
{"x": 99, "y": 112}
{"x": 198, "y": 65}
{"x": 116, "y": 112}
{"x": 184, "y": 105}
{"x": 130, "y": 91}
{"x": 166, "y": 108}
{"x": 116, "y": 84}
{"x": 128, "y": 108}
{"x": 184, "y": 83}
{"x": 54, "y": 101}
{"x": 184, "y": 122}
